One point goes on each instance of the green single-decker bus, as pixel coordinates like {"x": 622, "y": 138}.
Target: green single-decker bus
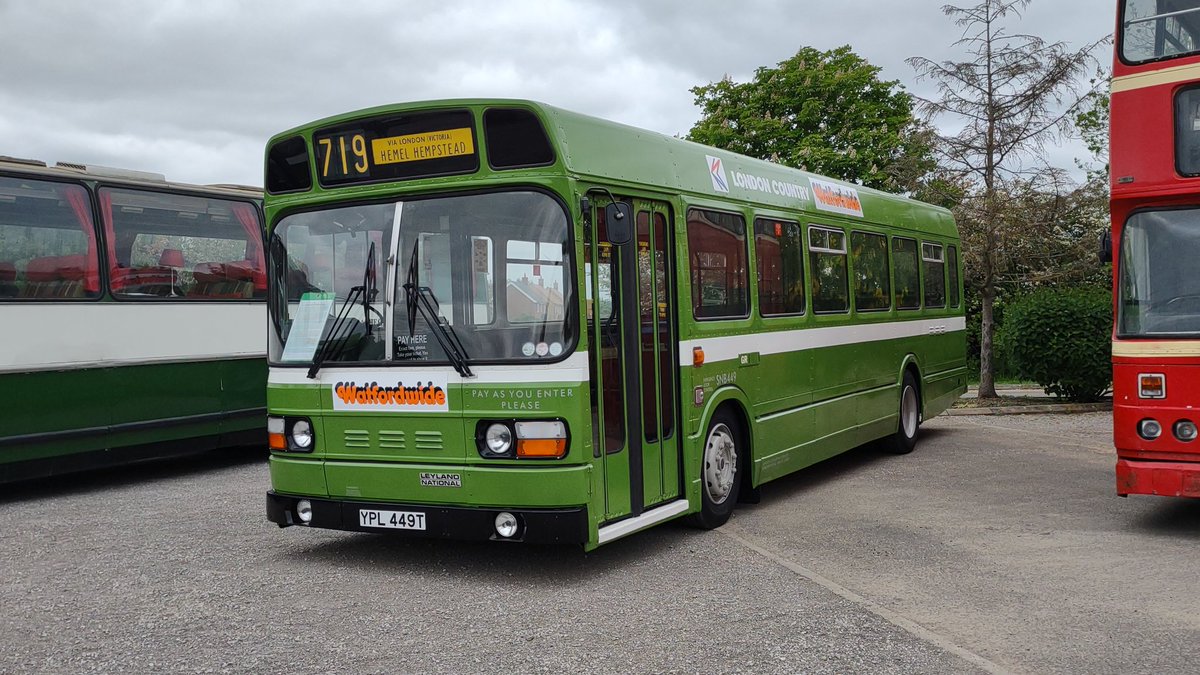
{"x": 496, "y": 319}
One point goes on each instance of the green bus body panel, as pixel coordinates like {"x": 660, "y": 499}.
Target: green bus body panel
{"x": 802, "y": 406}
{"x": 59, "y": 413}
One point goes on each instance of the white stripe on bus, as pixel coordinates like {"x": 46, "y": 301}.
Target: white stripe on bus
{"x": 76, "y": 335}
{"x": 728, "y": 347}
{"x": 1156, "y": 348}
{"x": 572, "y": 370}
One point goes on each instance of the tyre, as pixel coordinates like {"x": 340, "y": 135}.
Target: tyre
{"x": 720, "y": 470}
{"x": 904, "y": 439}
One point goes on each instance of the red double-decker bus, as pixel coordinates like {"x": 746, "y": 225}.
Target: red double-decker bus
{"x": 1155, "y": 246}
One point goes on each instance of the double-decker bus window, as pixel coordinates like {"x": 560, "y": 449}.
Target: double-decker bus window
{"x": 177, "y": 246}
{"x": 827, "y": 259}
{"x": 779, "y": 256}
{"x": 47, "y": 241}
{"x": 907, "y": 276}
{"x": 1158, "y": 29}
{"x": 717, "y": 255}
{"x": 1159, "y": 290}
{"x": 952, "y": 270}
{"x": 1187, "y": 131}
{"x": 872, "y": 288}
{"x": 934, "y": 267}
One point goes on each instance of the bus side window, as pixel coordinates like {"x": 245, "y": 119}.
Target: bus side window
{"x": 906, "y": 276}
{"x": 719, "y": 271}
{"x": 47, "y": 240}
{"x": 830, "y": 278}
{"x": 934, "y": 268}
{"x": 872, "y": 288}
{"x": 952, "y": 271}
{"x": 779, "y": 254}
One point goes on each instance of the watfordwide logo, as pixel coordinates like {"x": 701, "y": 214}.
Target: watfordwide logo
{"x": 424, "y": 396}
{"x": 836, "y": 198}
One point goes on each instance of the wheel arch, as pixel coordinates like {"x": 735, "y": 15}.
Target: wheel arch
{"x": 910, "y": 364}
{"x": 734, "y": 400}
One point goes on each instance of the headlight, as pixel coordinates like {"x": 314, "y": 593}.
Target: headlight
{"x": 1149, "y": 429}
{"x": 1185, "y": 430}
{"x": 507, "y": 525}
{"x": 302, "y": 435}
{"x": 304, "y": 511}
{"x": 498, "y": 439}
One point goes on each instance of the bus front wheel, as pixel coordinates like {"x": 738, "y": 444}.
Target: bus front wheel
{"x": 719, "y": 471}
{"x": 905, "y": 439}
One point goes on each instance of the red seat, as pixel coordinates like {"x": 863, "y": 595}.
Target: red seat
{"x": 217, "y": 280}
{"x": 157, "y": 280}
{"x": 55, "y": 277}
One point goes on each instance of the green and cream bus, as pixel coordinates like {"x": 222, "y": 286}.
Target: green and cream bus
{"x": 133, "y": 313}
{"x": 496, "y": 319}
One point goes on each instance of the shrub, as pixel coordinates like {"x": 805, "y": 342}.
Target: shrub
{"x": 1061, "y": 339}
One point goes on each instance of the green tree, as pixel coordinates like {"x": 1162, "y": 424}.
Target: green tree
{"x": 826, "y": 112}
{"x": 1091, "y": 122}
{"x": 1015, "y": 93}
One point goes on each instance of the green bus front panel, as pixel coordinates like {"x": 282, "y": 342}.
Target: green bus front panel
{"x": 383, "y": 456}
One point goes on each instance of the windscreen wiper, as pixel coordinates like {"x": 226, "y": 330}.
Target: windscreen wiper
{"x": 427, "y": 304}
{"x": 340, "y": 324}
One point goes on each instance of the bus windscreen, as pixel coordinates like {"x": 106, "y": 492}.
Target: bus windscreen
{"x": 1159, "y": 29}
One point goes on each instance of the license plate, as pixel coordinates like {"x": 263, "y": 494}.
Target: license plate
{"x": 395, "y": 520}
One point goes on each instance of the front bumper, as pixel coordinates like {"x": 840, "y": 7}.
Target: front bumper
{"x": 1169, "y": 479}
{"x": 564, "y": 526}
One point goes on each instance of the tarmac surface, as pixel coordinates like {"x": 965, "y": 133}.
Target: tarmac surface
{"x": 997, "y": 546}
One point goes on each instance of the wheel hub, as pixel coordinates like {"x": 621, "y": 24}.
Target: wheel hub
{"x": 720, "y": 463}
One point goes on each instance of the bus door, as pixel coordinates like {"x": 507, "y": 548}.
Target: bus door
{"x": 631, "y": 306}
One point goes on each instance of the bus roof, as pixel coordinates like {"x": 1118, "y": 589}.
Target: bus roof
{"x": 112, "y": 175}
{"x": 605, "y": 151}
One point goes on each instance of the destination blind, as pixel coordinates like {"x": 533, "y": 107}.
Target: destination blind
{"x": 396, "y": 147}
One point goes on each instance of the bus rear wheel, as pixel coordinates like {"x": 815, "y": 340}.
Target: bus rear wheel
{"x": 720, "y": 476}
{"x": 905, "y": 439}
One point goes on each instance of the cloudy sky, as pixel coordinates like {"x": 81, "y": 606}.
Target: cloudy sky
{"x": 193, "y": 89}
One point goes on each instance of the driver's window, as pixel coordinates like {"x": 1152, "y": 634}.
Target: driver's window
{"x": 483, "y": 268}
{"x": 434, "y": 270}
